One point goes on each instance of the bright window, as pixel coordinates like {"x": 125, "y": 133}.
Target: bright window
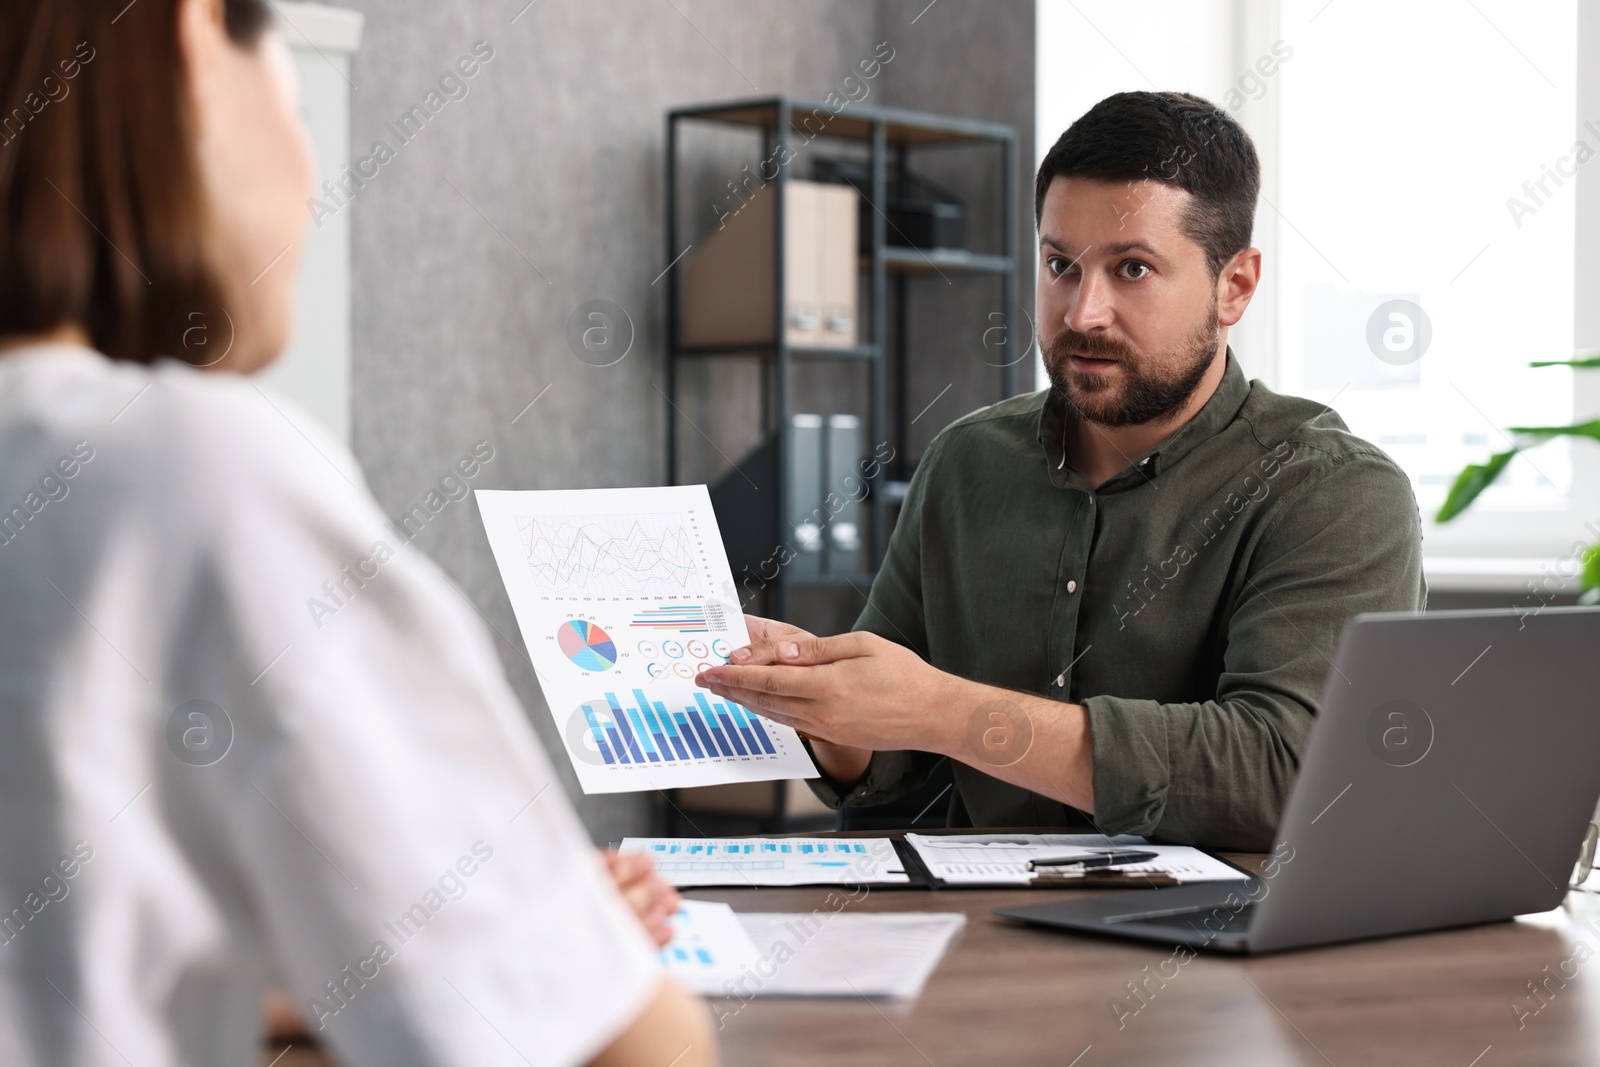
{"x": 1415, "y": 155}
{"x": 1404, "y": 132}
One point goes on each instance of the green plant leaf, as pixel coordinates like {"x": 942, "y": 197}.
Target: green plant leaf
{"x": 1590, "y": 429}
{"x": 1591, "y": 567}
{"x": 1590, "y": 359}
{"x": 1472, "y": 480}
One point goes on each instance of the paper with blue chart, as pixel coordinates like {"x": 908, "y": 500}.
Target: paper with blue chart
{"x": 709, "y": 946}
{"x": 623, "y": 596}
{"x": 703, "y": 861}
{"x": 717, "y": 952}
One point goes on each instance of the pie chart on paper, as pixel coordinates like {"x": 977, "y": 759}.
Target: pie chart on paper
{"x": 586, "y": 645}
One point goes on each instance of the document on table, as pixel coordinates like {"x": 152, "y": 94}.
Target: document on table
{"x": 623, "y": 596}
{"x": 1002, "y": 859}
{"x": 880, "y": 955}
{"x": 744, "y": 861}
{"x": 716, "y": 952}
{"x": 709, "y": 946}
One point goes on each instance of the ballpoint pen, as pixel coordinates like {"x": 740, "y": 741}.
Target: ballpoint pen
{"x": 1096, "y": 858}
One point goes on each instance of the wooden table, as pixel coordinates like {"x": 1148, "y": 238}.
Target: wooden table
{"x": 1010, "y": 994}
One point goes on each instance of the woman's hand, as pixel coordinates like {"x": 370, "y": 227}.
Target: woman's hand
{"x": 282, "y": 1020}
{"x": 647, "y": 893}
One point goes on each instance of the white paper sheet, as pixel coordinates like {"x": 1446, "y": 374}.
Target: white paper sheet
{"x": 717, "y": 952}
{"x": 844, "y": 955}
{"x": 623, "y": 596}
{"x": 709, "y": 946}
{"x": 755, "y": 861}
{"x": 1002, "y": 859}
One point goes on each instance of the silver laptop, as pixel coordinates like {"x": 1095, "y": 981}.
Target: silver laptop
{"x": 1449, "y": 780}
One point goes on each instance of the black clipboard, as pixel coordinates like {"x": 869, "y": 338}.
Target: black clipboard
{"x": 921, "y": 876}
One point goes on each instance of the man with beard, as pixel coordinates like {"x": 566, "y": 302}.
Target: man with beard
{"x": 1113, "y": 601}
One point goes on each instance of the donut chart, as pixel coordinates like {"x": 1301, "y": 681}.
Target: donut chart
{"x": 586, "y": 645}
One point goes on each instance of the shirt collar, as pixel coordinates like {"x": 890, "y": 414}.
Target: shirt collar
{"x": 1211, "y": 419}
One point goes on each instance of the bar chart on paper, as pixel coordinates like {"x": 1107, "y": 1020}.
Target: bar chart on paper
{"x": 623, "y": 597}
{"x": 765, "y": 861}
{"x": 709, "y": 946}
{"x": 646, "y": 731}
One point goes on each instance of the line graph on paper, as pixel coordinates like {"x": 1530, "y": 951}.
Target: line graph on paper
{"x": 645, "y": 554}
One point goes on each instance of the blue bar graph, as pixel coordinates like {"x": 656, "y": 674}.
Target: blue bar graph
{"x": 745, "y": 722}
{"x": 749, "y": 721}
{"x": 644, "y": 735}
{"x": 622, "y": 724}
{"x": 646, "y": 731}
{"x": 727, "y": 728}
{"x": 687, "y": 618}
{"x": 672, "y": 730}
{"x": 688, "y": 736}
{"x": 599, "y": 737}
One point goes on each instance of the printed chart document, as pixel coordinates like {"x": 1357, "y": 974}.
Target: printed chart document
{"x": 1002, "y": 859}
{"x": 718, "y": 953}
{"x": 883, "y": 955}
{"x": 623, "y": 596}
{"x": 744, "y": 861}
{"x": 709, "y": 946}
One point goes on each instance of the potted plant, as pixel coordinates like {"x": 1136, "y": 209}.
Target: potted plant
{"x": 1477, "y": 477}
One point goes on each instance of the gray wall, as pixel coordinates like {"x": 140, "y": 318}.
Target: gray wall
{"x": 987, "y": 74}
{"x": 540, "y": 190}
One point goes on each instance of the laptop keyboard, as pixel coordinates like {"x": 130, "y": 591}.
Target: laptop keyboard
{"x": 1204, "y": 920}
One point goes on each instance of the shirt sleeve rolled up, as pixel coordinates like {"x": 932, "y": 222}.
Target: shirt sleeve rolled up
{"x": 1217, "y": 772}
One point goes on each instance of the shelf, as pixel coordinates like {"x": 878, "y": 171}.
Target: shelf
{"x": 930, "y": 261}
{"x": 810, "y": 118}
{"x": 768, "y": 348}
{"x": 886, "y": 137}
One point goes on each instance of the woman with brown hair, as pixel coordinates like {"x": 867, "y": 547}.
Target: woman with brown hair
{"x": 206, "y": 790}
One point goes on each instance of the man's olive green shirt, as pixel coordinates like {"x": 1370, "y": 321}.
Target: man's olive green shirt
{"x": 1192, "y": 602}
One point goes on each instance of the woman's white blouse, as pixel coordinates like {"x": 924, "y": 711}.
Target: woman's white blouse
{"x": 208, "y": 785}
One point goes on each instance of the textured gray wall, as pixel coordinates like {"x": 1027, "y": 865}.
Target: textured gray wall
{"x": 986, "y": 73}
{"x": 540, "y": 190}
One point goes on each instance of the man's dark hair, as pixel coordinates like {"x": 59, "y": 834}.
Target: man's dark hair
{"x": 1175, "y": 138}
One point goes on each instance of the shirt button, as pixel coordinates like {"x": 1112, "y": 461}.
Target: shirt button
{"x": 1143, "y": 461}
{"x": 1072, "y": 587}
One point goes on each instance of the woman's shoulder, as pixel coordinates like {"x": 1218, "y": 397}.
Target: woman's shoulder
{"x": 165, "y": 417}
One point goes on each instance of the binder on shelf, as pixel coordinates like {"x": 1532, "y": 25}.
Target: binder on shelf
{"x": 921, "y": 213}
{"x": 842, "y": 478}
{"x": 729, "y": 281}
{"x": 802, "y": 265}
{"x": 805, "y": 516}
{"x": 724, "y": 280}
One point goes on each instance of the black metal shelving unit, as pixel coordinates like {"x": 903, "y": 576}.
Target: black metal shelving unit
{"x": 779, "y": 120}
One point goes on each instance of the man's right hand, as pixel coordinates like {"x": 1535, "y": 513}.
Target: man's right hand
{"x": 765, "y": 636}
{"x": 843, "y": 763}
